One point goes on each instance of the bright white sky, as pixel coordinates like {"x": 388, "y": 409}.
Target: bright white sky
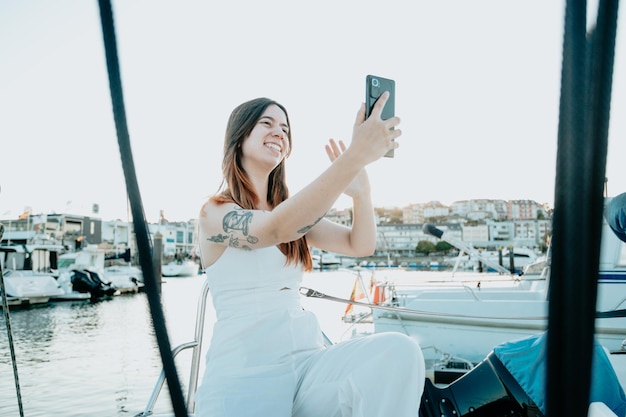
{"x": 477, "y": 90}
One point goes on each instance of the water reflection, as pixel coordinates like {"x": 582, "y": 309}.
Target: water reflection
{"x": 77, "y": 359}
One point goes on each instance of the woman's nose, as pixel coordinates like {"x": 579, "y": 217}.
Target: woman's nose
{"x": 278, "y": 132}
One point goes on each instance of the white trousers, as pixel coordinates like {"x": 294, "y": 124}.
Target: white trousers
{"x": 380, "y": 375}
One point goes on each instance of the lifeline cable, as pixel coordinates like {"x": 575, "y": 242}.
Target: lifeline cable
{"x": 308, "y": 292}
{"x": 144, "y": 246}
{"x": 7, "y": 320}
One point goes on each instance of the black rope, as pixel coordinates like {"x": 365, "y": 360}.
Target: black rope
{"x": 144, "y": 245}
{"x": 586, "y": 80}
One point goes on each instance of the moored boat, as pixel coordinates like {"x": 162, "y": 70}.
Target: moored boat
{"x": 28, "y": 275}
{"x": 84, "y": 272}
{"x": 465, "y": 315}
{"x": 180, "y": 268}
{"x": 323, "y": 259}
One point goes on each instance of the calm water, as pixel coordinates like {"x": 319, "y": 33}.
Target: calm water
{"x": 101, "y": 359}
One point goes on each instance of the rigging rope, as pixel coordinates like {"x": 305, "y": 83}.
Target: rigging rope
{"x": 144, "y": 245}
{"x": 7, "y": 321}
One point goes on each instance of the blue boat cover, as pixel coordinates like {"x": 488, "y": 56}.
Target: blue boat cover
{"x": 525, "y": 359}
{"x": 615, "y": 213}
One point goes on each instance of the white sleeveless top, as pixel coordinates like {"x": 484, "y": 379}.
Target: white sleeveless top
{"x": 260, "y": 321}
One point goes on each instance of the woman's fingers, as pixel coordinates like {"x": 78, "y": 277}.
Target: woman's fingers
{"x": 333, "y": 150}
{"x": 360, "y": 115}
{"x": 377, "y": 110}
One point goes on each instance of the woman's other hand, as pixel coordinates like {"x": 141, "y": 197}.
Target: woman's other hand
{"x": 360, "y": 186}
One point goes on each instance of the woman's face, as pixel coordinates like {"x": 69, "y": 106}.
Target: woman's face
{"x": 268, "y": 143}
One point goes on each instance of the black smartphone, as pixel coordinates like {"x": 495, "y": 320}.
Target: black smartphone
{"x": 374, "y": 87}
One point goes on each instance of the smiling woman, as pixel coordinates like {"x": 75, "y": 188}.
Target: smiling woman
{"x": 472, "y": 76}
{"x": 269, "y": 358}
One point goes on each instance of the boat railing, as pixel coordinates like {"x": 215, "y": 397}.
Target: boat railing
{"x": 406, "y": 297}
{"x": 196, "y": 346}
{"x": 403, "y": 294}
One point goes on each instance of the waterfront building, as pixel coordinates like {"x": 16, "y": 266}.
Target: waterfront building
{"x": 177, "y": 237}
{"x": 481, "y": 223}
{"x": 117, "y": 233}
{"x": 71, "y": 231}
{"x": 75, "y": 232}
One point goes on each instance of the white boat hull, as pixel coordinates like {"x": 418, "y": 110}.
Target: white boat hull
{"x": 175, "y": 269}
{"x": 467, "y": 320}
{"x": 30, "y": 287}
{"x": 125, "y": 279}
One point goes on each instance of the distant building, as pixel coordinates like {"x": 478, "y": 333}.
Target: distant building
{"x": 475, "y": 234}
{"x": 420, "y": 213}
{"x": 521, "y": 210}
{"x": 412, "y": 214}
{"x": 435, "y": 209}
{"x": 480, "y": 209}
{"x": 343, "y": 216}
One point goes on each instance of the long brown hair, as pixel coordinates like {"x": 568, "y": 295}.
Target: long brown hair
{"x": 236, "y": 186}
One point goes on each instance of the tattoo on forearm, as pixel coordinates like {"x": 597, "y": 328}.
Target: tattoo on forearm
{"x": 305, "y": 229}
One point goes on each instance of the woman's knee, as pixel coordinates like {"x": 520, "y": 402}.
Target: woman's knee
{"x": 400, "y": 349}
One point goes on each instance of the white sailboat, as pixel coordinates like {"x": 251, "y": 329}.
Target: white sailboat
{"x": 467, "y": 314}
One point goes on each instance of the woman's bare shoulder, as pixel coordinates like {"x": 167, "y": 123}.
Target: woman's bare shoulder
{"x": 212, "y": 209}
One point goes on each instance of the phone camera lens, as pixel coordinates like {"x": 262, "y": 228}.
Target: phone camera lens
{"x": 375, "y": 82}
